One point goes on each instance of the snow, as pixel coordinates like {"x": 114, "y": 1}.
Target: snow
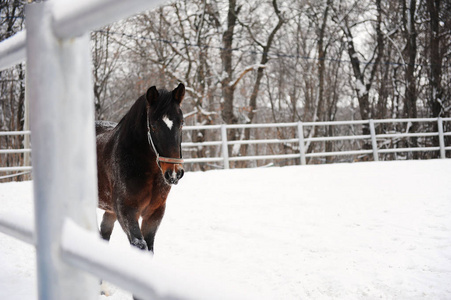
{"x": 344, "y": 231}
{"x": 361, "y": 89}
{"x": 13, "y": 50}
{"x": 152, "y": 279}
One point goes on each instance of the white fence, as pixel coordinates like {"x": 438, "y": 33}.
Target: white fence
{"x": 5, "y": 163}
{"x": 300, "y": 142}
{"x": 70, "y": 254}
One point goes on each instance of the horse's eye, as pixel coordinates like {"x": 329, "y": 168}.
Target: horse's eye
{"x": 182, "y": 123}
{"x": 153, "y": 128}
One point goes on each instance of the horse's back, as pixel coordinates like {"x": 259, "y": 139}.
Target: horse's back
{"x": 104, "y": 126}
{"x": 104, "y": 132}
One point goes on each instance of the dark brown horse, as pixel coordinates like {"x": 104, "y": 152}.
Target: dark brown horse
{"x": 138, "y": 160}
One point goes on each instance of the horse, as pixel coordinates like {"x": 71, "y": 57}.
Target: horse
{"x": 138, "y": 160}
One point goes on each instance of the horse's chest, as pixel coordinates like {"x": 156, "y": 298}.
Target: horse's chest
{"x": 152, "y": 196}
{"x": 158, "y": 194}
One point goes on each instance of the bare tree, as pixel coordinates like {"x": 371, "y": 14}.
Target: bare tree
{"x": 436, "y": 53}
{"x": 364, "y": 74}
{"x": 105, "y": 56}
{"x": 265, "y": 48}
{"x": 228, "y": 87}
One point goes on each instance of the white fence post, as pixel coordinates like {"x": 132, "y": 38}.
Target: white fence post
{"x": 373, "y": 140}
{"x": 441, "y": 137}
{"x": 301, "y": 143}
{"x": 225, "y": 147}
{"x": 26, "y": 125}
{"x": 64, "y": 165}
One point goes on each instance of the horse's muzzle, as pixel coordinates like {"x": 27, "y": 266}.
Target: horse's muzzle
{"x": 173, "y": 175}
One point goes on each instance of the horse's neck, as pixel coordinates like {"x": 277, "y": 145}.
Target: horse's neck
{"x": 133, "y": 124}
{"x": 133, "y": 142}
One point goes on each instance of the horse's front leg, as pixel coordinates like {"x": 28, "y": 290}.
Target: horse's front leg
{"x": 128, "y": 218}
{"x": 150, "y": 223}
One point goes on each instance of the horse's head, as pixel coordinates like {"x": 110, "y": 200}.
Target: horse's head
{"x": 164, "y": 124}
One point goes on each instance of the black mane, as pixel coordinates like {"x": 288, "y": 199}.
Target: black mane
{"x": 135, "y": 119}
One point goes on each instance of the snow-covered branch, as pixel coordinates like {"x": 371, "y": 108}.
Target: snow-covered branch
{"x": 244, "y": 72}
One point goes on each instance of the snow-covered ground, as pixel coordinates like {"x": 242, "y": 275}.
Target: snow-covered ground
{"x": 343, "y": 231}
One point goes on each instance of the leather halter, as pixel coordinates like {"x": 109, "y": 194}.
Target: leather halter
{"x": 169, "y": 160}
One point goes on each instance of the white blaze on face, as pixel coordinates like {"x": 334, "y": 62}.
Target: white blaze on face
{"x": 168, "y": 122}
{"x": 174, "y": 173}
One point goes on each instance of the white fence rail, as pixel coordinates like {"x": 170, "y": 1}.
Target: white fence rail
{"x": 303, "y": 141}
{"x": 26, "y": 167}
{"x": 135, "y": 272}
{"x": 299, "y": 140}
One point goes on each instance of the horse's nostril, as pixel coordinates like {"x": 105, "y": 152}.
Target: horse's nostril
{"x": 180, "y": 173}
{"x": 167, "y": 175}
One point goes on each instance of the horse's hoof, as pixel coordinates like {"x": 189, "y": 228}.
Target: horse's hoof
{"x": 141, "y": 244}
{"x": 105, "y": 289}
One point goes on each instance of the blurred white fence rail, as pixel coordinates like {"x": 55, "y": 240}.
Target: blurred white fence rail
{"x": 59, "y": 90}
{"x": 129, "y": 268}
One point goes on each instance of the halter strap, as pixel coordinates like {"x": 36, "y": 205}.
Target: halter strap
{"x": 169, "y": 160}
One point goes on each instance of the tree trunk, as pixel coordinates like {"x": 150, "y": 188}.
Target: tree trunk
{"x": 226, "y": 57}
{"x": 435, "y": 57}
{"x": 435, "y": 60}
{"x": 410, "y": 109}
{"x": 264, "y": 60}
{"x": 410, "y": 98}
{"x": 363, "y": 86}
{"x": 322, "y": 51}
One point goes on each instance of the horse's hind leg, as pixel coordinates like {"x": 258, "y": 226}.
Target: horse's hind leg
{"x": 106, "y": 228}
{"x": 107, "y": 225}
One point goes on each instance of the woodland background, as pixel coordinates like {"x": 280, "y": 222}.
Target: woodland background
{"x": 259, "y": 61}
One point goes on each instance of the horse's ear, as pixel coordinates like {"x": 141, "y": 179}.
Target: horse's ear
{"x": 179, "y": 93}
{"x": 152, "y": 95}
